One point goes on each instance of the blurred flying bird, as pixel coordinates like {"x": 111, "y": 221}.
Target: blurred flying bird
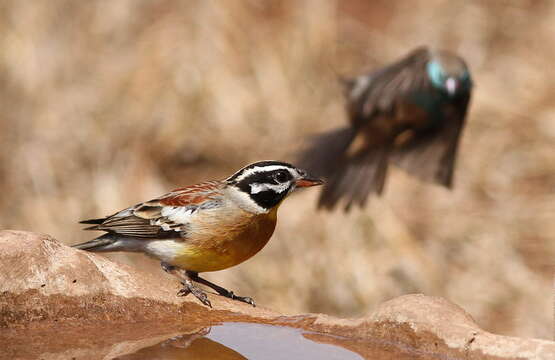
{"x": 410, "y": 113}
{"x": 210, "y": 226}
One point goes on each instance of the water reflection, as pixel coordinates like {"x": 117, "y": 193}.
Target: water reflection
{"x": 199, "y": 349}
{"x": 234, "y": 341}
{"x": 189, "y": 340}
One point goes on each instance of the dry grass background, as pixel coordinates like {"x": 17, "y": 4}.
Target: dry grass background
{"x": 107, "y": 103}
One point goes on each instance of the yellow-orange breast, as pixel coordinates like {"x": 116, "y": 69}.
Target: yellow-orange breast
{"x": 220, "y": 240}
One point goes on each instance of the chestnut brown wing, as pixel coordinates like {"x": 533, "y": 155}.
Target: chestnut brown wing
{"x": 165, "y": 216}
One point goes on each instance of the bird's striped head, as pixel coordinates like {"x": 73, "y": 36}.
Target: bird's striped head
{"x": 449, "y": 73}
{"x": 262, "y": 185}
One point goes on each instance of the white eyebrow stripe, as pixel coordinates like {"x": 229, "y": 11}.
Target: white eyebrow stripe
{"x": 259, "y": 187}
{"x": 258, "y": 169}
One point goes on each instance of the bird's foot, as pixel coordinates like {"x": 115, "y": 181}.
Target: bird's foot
{"x": 220, "y": 290}
{"x": 189, "y": 288}
{"x": 244, "y": 299}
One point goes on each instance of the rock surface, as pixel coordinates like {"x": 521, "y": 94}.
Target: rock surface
{"x": 98, "y": 307}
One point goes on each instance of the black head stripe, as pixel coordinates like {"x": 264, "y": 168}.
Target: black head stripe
{"x": 266, "y": 187}
{"x": 268, "y": 199}
{"x": 259, "y": 164}
{"x": 259, "y": 177}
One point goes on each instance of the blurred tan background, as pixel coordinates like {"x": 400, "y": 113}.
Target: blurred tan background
{"x": 108, "y": 103}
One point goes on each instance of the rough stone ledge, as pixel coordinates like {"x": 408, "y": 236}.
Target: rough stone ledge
{"x": 44, "y": 283}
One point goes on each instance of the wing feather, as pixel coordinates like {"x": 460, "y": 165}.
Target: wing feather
{"x": 385, "y": 87}
{"x": 431, "y": 156}
{"x": 165, "y": 216}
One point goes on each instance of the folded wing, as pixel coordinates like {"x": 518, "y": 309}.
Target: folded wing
{"x": 164, "y": 217}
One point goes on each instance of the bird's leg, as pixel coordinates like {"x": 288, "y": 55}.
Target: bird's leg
{"x": 167, "y": 267}
{"x": 188, "y": 286}
{"x": 220, "y": 290}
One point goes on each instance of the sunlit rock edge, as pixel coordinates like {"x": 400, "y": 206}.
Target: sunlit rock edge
{"x": 46, "y": 284}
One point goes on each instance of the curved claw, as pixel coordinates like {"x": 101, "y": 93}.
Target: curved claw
{"x": 247, "y": 300}
{"x": 183, "y": 292}
{"x": 198, "y": 293}
{"x": 244, "y": 299}
{"x": 203, "y": 299}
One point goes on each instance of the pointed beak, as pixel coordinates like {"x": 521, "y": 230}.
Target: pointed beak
{"x": 308, "y": 181}
{"x": 451, "y": 85}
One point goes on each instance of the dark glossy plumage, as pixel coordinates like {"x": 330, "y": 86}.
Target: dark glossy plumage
{"x": 409, "y": 113}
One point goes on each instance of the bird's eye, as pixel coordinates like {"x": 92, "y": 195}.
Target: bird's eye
{"x": 281, "y": 176}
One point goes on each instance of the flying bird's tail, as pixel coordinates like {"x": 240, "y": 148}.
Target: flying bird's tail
{"x": 325, "y": 150}
{"x": 355, "y": 178}
{"x": 351, "y": 177}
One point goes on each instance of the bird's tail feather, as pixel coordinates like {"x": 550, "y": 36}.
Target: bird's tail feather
{"x": 325, "y": 150}
{"x": 355, "y": 178}
{"x": 103, "y": 243}
{"x": 92, "y": 221}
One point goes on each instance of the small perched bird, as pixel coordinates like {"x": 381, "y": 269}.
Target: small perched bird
{"x": 410, "y": 113}
{"x": 210, "y": 226}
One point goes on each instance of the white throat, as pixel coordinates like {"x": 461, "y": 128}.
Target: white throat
{"x": 244, "y": 201}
